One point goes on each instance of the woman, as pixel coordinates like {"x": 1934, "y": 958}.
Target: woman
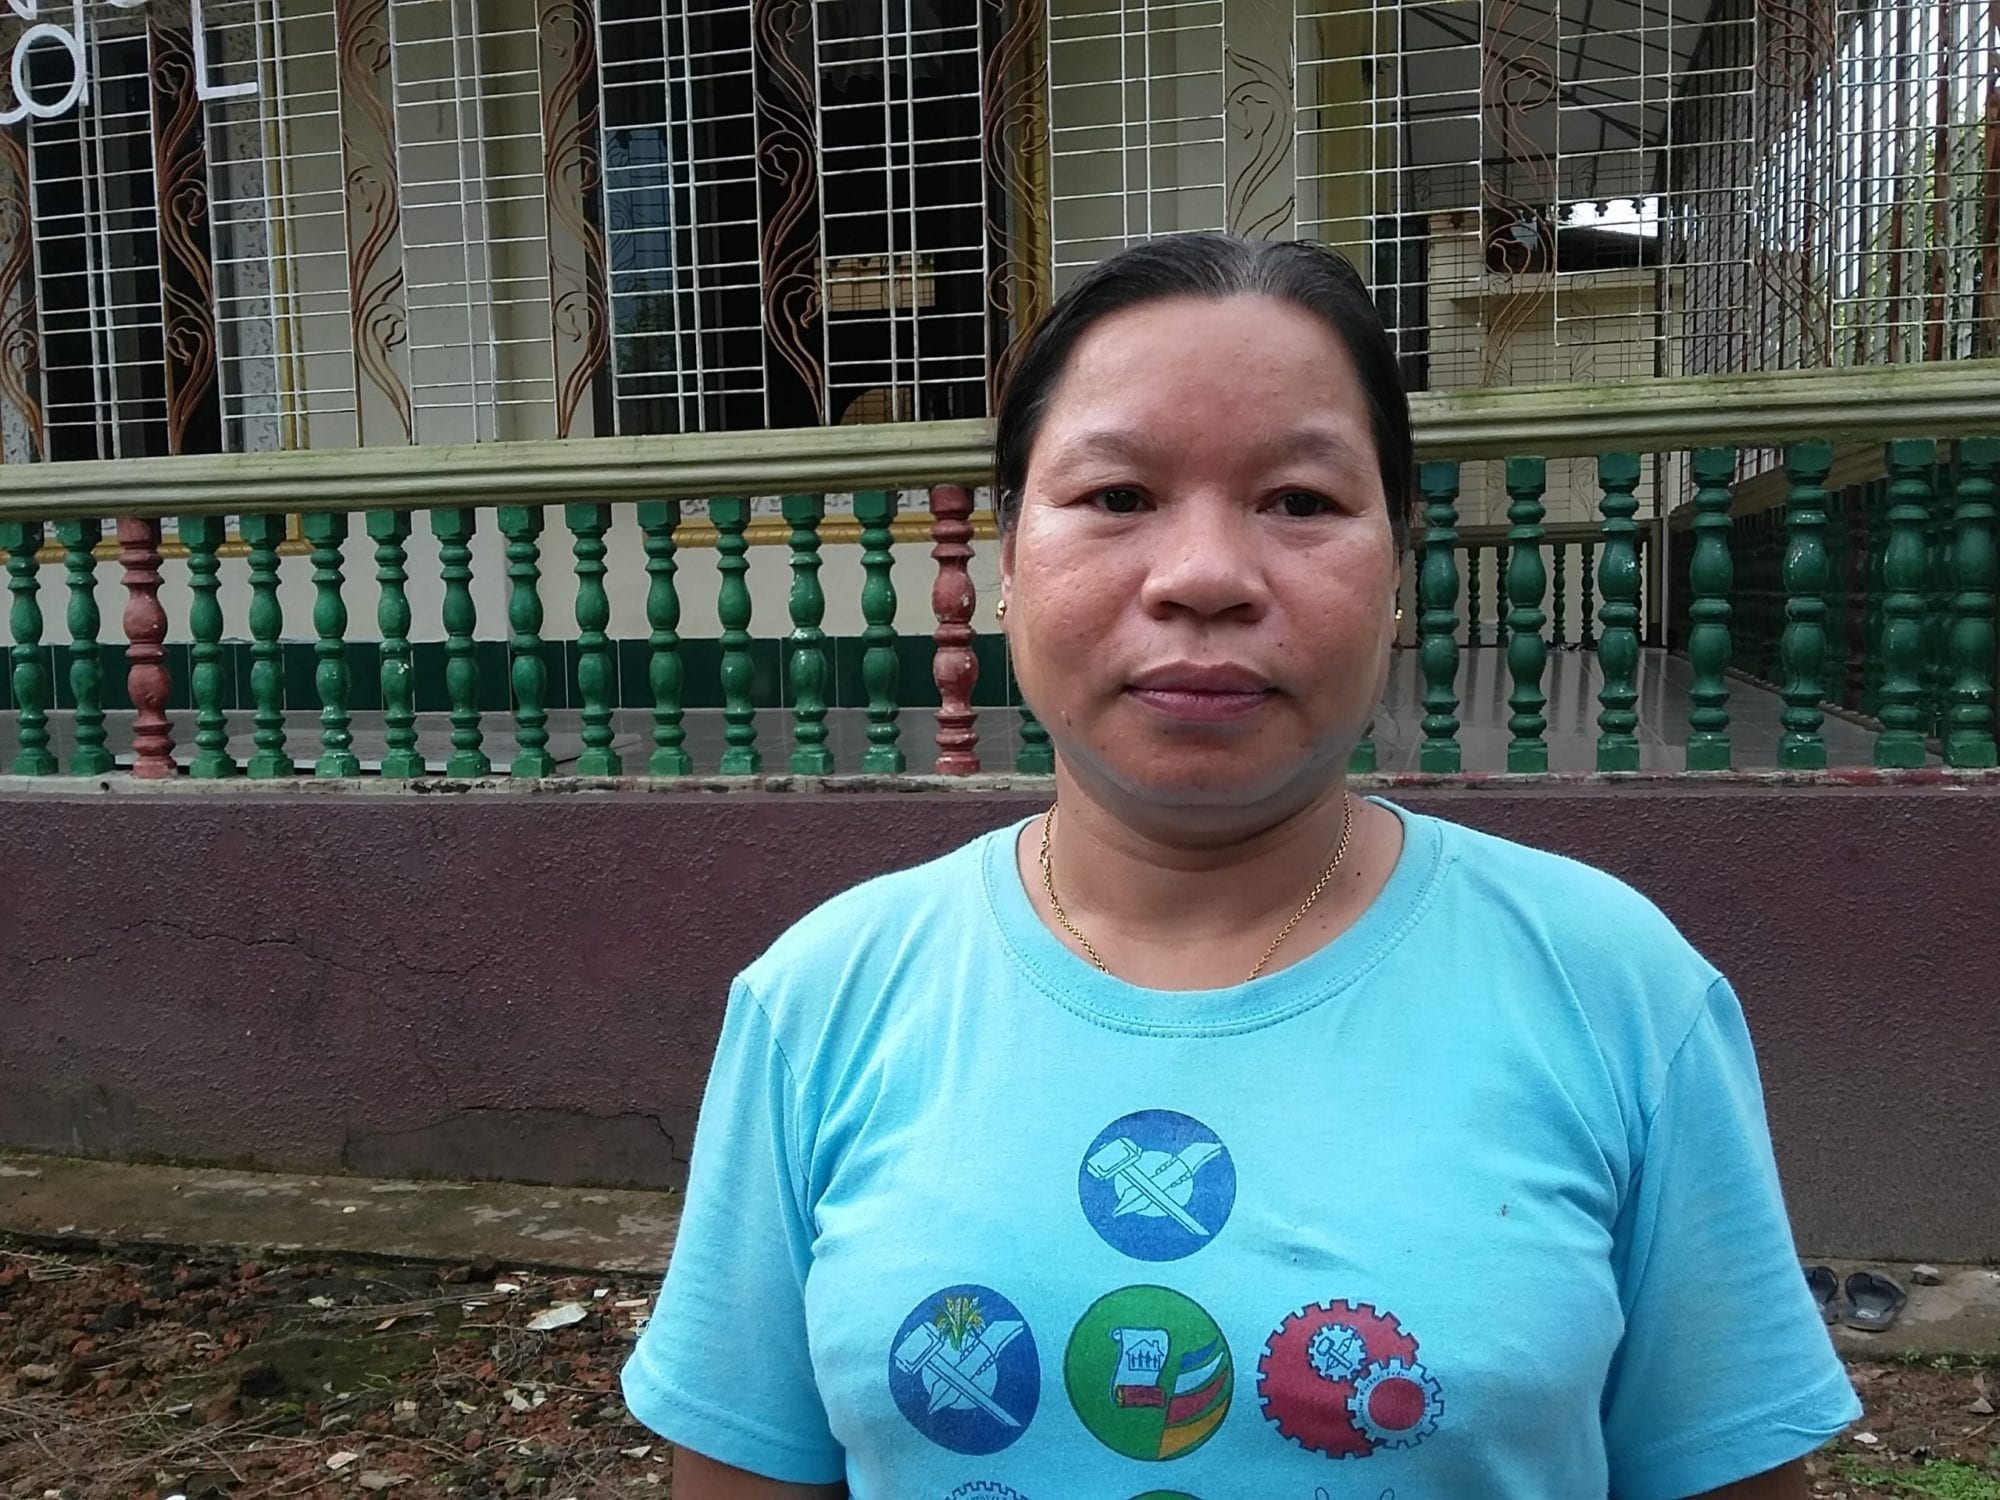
{"x": 1220, "y": 1133}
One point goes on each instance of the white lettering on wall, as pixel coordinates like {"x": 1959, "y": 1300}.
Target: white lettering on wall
{"x": 70, "y": 38}
{"x": 202, "y": 86}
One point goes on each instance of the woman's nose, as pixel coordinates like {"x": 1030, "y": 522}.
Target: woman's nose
{"x": 1205, "y": 559}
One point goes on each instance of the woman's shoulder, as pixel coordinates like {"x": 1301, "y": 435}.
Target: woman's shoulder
{"x": 1557, "y": 893}
{"x": 872, "y": 926}
{"x": 1584, "y": 944}
{"x": 1625, "y": 961}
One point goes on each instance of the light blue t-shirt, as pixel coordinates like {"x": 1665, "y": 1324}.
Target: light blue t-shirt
{"x": 1476, "y": 1201}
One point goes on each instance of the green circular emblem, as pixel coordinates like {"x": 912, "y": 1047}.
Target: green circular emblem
{"x": 1149, "y": 1373}
{"x": 1163, "y": 1495}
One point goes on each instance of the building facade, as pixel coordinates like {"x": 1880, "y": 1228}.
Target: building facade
{"x": 247, "y": 226}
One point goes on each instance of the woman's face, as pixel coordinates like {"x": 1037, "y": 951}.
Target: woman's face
{"x": 1201, "y": 583}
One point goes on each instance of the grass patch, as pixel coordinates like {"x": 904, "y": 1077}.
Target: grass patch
{"x": 1936, "y": 1479}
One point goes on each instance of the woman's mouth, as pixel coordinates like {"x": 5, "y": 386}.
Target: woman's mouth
{"x": 1201, "y": 694}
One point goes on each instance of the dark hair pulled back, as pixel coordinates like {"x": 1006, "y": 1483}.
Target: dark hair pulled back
{"x": 1308, "y": 276}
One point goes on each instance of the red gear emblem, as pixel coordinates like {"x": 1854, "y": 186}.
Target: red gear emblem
{"x": 1308, "y": 1405}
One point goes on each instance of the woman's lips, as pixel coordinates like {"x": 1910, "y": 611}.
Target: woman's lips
{"x": 1201, "y": 705}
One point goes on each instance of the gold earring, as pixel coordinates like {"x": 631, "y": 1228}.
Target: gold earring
{"x": 1000, "y": 610}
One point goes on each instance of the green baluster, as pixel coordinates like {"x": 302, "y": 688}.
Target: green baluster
{"x": 1936, "y": 674}
{"x": 1679, "y": 560}
{"x": 740, "y": 758}
{"x": 390, "y": 530}
{"x": 587, "y": 524}
{"x": 1618, "y": 644}
{"x": 810, "y": 757}
{"x": 1472, "y": 552}
{"x": 1739, "y": 596}
{"x": 1853, "y": 599}
{"x": 1802, "y": 649}
{"x": 658, "y": 520}
{"x": 1781, "y": 550}
{"x": 1872, "y": 619}
{"x": 1901, "y": 742}
{"x": 1775, "y": 549}
{"x": 453, "y": 529}
{"x": 1767, "y": 598}
{"x": 1709, "y": 580}
{"x": 86, "y": 673}
{"x": 1925, "y": 619}
{"x": 1560, "y": 592}
{"x": 21, "y": 540}
{"x": 202, "y": 535}
{"x": 1586, "y": 639}
{"x": 1640, "y": 571}
{"x": 1749, "y": 637}
{"x": 1503, "y": 564}
{"x": 1968, "y": 739}
{"x": 1743, "y": 640}
{"x": 1833, "y": 676}
{"x": 326, "y": 530}
{"x": 1437, "y": 625}
{"x": 1527, "y": 582}
{"x": 521, "y": 525}
{"x": 263, "y": 533}
{"x": 875, "y": 510}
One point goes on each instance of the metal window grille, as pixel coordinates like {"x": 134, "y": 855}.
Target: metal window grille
{"x": 448, "y": 220}
{"x": 277, "y": 210}
{"x": 90, "y": 191}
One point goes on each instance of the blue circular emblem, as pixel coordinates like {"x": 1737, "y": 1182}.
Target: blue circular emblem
{"x": 1157, "y": 1185}
{"x": 964, "y": 1370}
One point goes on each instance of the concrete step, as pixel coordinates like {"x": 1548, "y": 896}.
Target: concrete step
{"x": 76, "y": 1201}
{"x": 73, "y": 1201}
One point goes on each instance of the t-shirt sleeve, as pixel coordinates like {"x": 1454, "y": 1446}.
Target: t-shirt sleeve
{"x": 723, "y": 1366}
{"x": 1725, "y": 1370}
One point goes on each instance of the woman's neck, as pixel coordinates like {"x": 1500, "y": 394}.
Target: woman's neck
{"x": 1193, "y": 904}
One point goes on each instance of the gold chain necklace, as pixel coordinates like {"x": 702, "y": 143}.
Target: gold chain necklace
{"x": 1318, "y": 888}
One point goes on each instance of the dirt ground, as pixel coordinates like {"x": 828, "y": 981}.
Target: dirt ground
{"x": 146, "y": 1375}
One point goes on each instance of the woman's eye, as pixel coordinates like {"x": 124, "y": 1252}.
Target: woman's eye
{"x": 1118, "y": 502}
{"x": 1303, "y": 504}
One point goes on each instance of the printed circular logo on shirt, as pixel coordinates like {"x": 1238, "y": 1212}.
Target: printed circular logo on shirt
{"x": 1345, "y": 1380}
{"x": 1157, "y": 1185}
{"x": 985, "y": 1489}
{"x": 1149, "y": 1373}
{"x": 1164, "y": 1495}
{"x": 964, "y": 1370}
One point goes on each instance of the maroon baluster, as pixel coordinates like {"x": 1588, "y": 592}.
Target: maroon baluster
{"x": 953, "y": 600}
{"x": 146, "y": 631}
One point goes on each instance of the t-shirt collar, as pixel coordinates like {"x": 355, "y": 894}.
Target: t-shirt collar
{"x": 1073, "y": 982}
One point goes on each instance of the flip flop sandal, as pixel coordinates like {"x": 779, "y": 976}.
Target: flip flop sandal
{"x": 1874, "y": 1301}
{"x": 1825, "y": 1288}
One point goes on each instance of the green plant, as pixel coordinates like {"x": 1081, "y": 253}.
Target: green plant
{"x": 1855, "y": 1469}
{"x": 1947, "y": 1479}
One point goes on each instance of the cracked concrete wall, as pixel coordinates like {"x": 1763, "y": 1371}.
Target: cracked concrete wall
{"x": 528, "y": 986}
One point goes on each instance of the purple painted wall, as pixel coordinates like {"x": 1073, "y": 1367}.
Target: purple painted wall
{"x": 520, "y": 985}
